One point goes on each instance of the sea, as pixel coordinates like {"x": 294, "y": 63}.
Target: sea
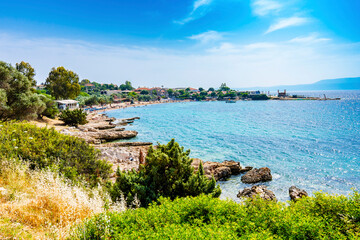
{"x": 314, "y": 145}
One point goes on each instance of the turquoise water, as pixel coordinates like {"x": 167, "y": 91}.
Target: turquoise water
{"x": 314, "y": 145}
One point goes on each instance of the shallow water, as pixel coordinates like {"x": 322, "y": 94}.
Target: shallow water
{"x": 314, "y": 145}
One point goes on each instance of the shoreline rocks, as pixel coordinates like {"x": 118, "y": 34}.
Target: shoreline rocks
{"x": 257, "y": 190}
{"x": 257, "y": 175}
{"x": 296, "y": 193}
{"x": 220, "y": 170}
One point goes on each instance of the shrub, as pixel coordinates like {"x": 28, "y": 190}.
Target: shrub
{"x": 320, "y": 217}
{"x": 259, "y": 97}
{"x": 43, "y": 147}
{"x": 168, "y": 173}
{"x": 73, "y": 117}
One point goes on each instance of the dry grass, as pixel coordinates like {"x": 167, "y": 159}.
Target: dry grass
{"x": 42, "y": 205}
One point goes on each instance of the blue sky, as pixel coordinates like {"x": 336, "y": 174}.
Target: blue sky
{"x": 185, "y": 42}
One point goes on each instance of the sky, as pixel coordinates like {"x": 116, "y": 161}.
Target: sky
{"x": 181, "y": 43}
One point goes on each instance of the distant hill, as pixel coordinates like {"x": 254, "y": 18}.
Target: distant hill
{"x": 329, "y": 84}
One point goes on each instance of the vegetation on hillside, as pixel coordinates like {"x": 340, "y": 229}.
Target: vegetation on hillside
{"x": 73, "y": 117}
{"x": 46, "y": 148}
{"x": 167, "y": 172}
{"x": 320, "y": 217}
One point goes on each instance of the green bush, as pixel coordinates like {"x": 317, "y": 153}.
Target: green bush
{"x": 168, "y": 173}
{"x": 43, "y": 147}
{"x": 259, "y": 97}
{"x": 320, "y": 217}
{"x": 51, "y": 109}
{"x": 73, "y": 117}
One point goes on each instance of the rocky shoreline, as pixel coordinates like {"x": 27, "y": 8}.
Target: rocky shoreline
{"x": 102, "y": 131}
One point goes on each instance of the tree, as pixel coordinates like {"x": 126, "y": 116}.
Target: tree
{"x": 84, "y": 81}
{"x": 28, "y": 71}
{"x": 223, "y": 87}
{"x": 63, "y": 84}
{"x": 167, "y": 172}
{"x": 201, "y": 89}
{"x": 211, "y": 89}
{"x": 126, "y": 86}
{"x": 17, "y": 98}
{"x": 144, "y": 92}
{"x": 170, "y": 92}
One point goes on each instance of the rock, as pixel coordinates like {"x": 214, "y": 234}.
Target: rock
{"x": 257, "y": 175}
{"x": 220, "y": 170}
{"x": 245, "y": 169}
{"x": 127, "y": 144}
{"x": 102, "y": 136}
{"x": 296, "y": 193}
{"x": 260, "y": 190}
{"x": 234, "y": 166}
{"x": 222, "y": 173}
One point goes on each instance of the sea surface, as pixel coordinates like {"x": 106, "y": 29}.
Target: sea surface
{"x": 314, "y": 145}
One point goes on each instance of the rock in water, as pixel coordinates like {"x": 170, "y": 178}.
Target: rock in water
{"x": 257, "y": 175}
{"x": 260, "y": 190}
{"x": 222, "y": 173}
{"x": 296, "y": 193}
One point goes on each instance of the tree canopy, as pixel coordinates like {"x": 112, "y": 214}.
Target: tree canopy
{"x": 26, "y": 69}
{"x": 63, "y": 83}
{"x": 17, "y": 97}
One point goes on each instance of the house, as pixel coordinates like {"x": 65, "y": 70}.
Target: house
{"x": 282, "y": 94}
{"x": 67, "y": 104}
{"x": 89, "y": 86}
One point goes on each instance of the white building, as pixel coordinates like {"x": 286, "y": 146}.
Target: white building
{"x": 67, "y": 104}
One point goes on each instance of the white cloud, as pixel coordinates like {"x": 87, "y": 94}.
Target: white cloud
{"x": 199, "y": 9}
{"x": 287, "y": 22}
{"x": 312, "y": 38}
{"x": 207, "y": 37}
{"x": 246, "y": 65}
{"x": 199, "y": 3}
{"x": 265, "y": 7}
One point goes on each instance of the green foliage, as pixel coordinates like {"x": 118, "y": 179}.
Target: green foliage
{"x": 168, "y": 173}
{"x": 17, "y": 98}
{"x": 84, "y": 94}
{"x": 43, "y": 147}
{"x": 259, "y": 97}
{"x": 211, "y": 89}
{"x": 126, "y": 86}
{"x": 63, "y": 84}
{"x": 73, "y": 117}
{"x": 51, "y": 109}
{"x": 144, "y": 92}
{"x": 223, "y": 87}
{"x": 27, "y": 70}
{"x": 203, "y": 217}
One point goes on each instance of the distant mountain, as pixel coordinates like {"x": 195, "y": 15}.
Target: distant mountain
{"x": 329, "y": 84}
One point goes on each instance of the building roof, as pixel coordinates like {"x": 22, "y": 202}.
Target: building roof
{"x": 68, "y": 101}
{"x": 89, "y": 85}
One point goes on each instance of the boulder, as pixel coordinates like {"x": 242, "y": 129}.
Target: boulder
{"x": 245, "y": 169}
{"x": 254, "y": 191}
{"x": 222, "y": 173}
{"x": 297, "y": 193}
{"x": 220, "y": 170}
{"x": 234, "y": 166}
{"x": 257, "y": 175}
